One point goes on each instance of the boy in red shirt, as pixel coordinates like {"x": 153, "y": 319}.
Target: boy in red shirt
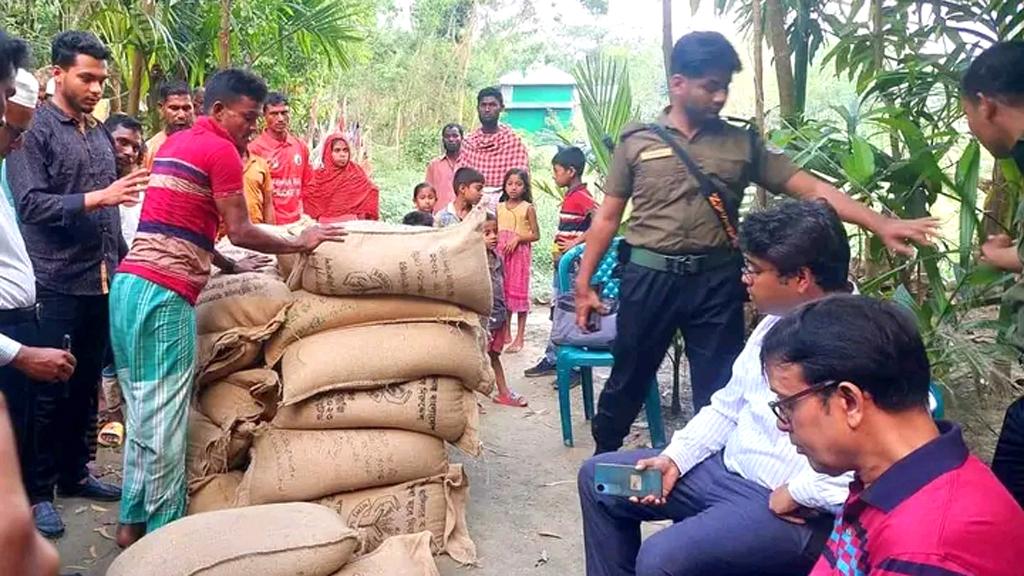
{"x": 574, "y": 219}
{"x": 852, "y": 377}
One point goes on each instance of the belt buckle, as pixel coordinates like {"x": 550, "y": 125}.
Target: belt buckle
{"x": 683, "y": 265}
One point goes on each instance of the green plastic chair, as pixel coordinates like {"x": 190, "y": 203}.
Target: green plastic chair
{"x": 936, "y": 404}
{"x": 570, "y": 358}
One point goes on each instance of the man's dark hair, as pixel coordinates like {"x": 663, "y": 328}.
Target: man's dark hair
{"x": 453, "y": 125}
{"x": 997, "y": 73}
{"x": 13, "y": 55}
{"x": 173, "y": 88}
{"x": 465, "y": 176}
{"x": 571, "y": 157}
{"x": 796, "y": 234}
{"x": 490, "y": 92}
{"x": 275, "y": 99}
{"x": 122, "y": 121}
{"x": 872, "y": 343}
{"x": 698, "y": 54}
{"x": 418, "y": 218}
{"x": 68, "y": 45}
{"x": 228, "y": 86}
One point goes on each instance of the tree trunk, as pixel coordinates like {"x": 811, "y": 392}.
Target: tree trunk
{"x": 761, "y": 196}
{"x": 463, "y": 51}
{"x": 138, "y": 68}
{"x": 776, "y": 34}
{"x": 224, "y": 36}
{"x": 666, "y": 36}
{"x": 115, "y": 91}
{"x": 801, "y": 55}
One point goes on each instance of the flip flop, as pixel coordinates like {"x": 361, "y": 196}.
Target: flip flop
{"x": 514, "y": 400}
{"x": 111, "y": 435}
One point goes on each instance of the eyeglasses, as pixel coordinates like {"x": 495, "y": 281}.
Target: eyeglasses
{"x": 783, "y": 407}
{"x": 749, "y": 269}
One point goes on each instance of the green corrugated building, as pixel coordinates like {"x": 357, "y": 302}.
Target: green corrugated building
{"x": 533, "y": 96}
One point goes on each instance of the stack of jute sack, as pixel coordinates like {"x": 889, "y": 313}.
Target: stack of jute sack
{"x": 272, "y": 540}
{"x": 381, "y": 351}
{"x": 234, "y": 394}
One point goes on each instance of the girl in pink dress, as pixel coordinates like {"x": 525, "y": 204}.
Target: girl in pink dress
{"x": 517, "y": 231}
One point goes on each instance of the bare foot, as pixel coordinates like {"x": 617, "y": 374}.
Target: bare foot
{"x": 128, "y": 534}
{"x": 515, "y": 347}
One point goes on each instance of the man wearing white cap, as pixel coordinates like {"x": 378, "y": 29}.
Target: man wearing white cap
{"x": 20, "y": 363}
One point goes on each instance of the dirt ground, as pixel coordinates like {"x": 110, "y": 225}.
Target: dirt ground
{"x": 523, "y": 512}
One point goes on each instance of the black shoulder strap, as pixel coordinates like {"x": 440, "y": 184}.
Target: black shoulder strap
{"x": 708, "y": 188}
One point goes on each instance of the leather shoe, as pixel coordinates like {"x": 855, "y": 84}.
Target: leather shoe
{"x": 48, "y": 520}
{"x": 92, "y": 489}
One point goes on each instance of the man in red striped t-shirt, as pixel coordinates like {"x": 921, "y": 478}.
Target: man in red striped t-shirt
{"x": 195, "y": 182}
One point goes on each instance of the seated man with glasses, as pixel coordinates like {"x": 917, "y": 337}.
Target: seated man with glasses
{"x": 851, "y": 375}
{"x": 743, "y": 500}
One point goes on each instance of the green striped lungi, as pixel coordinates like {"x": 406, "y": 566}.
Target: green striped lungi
{"x": 153, "y": 334}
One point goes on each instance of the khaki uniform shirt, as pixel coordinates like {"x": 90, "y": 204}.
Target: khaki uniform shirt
{"x": 670, "y": 215}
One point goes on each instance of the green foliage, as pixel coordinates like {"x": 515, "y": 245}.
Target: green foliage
{"x": 606, "y": 102}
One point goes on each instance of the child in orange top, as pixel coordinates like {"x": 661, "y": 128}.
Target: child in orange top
{"x": 517, "y": 231}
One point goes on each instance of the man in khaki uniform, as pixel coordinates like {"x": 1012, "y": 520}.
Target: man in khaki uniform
{"x": 682, "y": 270}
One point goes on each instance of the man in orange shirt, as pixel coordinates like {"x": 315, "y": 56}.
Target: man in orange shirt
{"x": 175, "y": 114}
{"x": 288, "y": 158}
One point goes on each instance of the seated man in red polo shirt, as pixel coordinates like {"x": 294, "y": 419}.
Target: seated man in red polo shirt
{"x": 851, "y": 375}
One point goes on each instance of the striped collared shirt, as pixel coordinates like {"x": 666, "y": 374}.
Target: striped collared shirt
{"x": 174, "y": 244}
{"x": 739, "y": 421}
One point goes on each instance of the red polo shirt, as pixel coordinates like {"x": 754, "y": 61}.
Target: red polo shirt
{"x": 289, "y": 170}
{"x": 937, "y": 512}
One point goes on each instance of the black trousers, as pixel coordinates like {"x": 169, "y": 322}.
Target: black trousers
{"x": 65, "y": 412}
{"x": 20, "y": 393}
{"x": 707, "y": 307}
{"x": 1008, "y": 461}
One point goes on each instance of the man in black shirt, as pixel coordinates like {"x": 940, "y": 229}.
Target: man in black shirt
{"x": 67, "y": 194}
{"x": 993, "y": 99}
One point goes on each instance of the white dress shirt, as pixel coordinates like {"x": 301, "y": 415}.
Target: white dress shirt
{"x": 17, "y": 281}
{"x": 739, "y": 421}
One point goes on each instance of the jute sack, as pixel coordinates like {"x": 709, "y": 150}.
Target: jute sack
{"x": 232, "y": 301}
{"x": 292, "y": 465}
{"x": 241, "y": 399}
{"x": 436, "y": 504}
{"x": 368, "y": 357}
{"x": 220, "y": 355}
{"x": 313, "y": 313}
{"x": 437, "y": 406}
{"x": 407, "y": 555}
{"x": 216, "y": 493}
{"x": 211, "y": 450}
{"x": 447, "y": 264}
{"x": 276, "y": 540}
{"x": 234, "y": 315}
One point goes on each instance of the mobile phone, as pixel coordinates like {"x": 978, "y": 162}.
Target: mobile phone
{"x": 626, "y": 481}
{"x": 593, "y": 321}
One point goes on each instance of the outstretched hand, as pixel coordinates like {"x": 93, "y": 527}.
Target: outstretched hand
{"x": 897, "y": 235}
{"x": 314, "y": 236}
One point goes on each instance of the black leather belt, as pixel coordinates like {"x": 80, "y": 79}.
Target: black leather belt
{"x": 19, "y": 315}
